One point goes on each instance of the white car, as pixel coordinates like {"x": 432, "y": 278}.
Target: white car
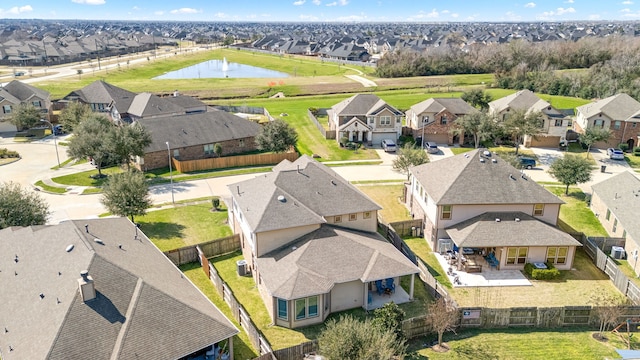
{"x": 389, "y": 145}
{"x": 615, "y": 154}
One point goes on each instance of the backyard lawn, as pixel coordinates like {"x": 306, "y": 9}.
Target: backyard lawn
{"x": 181, "y": 226}
{"x": 387, "y": 196}
{"x": 576, "y": 213}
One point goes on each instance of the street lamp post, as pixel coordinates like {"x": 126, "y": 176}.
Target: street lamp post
{"x": 173, "y": 201}
{"x": 55, "y": 140}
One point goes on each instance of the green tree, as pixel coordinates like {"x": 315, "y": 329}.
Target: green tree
{"x": 25, "y": 116}
{"x": 389, "y": 318}
{"x": 127, "y": 142}
{"x": 478, "y": 124}
{"x": 571, "y": 170}
{"x": 520, "y": 123}
{"x": 126, "y": 194}
{"x": 477, "y": 98}
{"x": 74, "y": 113}
{"x": 349, "y": 338}
{"x": 442, "y": 316}
{"x": 217, "y": 149}
{"x": 593, "y": 135}
{"x": 409, "y": 156}
{"x": 92, "y": 140}
{"x": 276, "y": 136}
{"x": 21, "y": 207}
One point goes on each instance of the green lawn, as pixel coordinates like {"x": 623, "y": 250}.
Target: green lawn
{"x": 86, "y": 178}
{"x": 632, "y": 160}
{"x": 177, "y": 227}
{"x": 422, "y": 250}
{"x": 576, "y": 213}
{"x": 51, "y": 189}
{"x": 522, "y": 344}
{"x": 387, "y": 196}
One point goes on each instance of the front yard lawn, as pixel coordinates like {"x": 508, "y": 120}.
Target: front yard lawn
{"x": 177, "y": 227}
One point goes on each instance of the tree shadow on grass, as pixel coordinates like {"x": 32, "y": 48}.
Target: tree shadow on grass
{"x": 162, "y": 230}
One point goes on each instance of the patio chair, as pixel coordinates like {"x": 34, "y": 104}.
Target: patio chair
{"x": 391, "y": 285}
{"x": 379, "y": 287}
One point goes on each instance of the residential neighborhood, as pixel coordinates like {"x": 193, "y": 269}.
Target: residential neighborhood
{"x": 170, "y": 219}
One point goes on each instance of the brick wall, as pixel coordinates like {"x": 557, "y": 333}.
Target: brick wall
{"x": 436, "y": 127}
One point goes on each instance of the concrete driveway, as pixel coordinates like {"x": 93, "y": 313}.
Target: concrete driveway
{"x": 444, "y": 151}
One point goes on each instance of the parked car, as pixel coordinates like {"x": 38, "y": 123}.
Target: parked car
{"x": 389, "y": 145}
{"x": 432, "y": 148}
{"x": 615, "y": 154}
{"x": 527, "y": 163}
{"x": 58, "y": 130}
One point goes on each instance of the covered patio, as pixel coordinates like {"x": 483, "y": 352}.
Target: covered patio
{"x": 487, "y": 276}
{"x": 376, "y": 300}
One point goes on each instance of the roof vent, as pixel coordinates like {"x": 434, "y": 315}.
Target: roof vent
{"x": 511, "y": 177}
{"x": 87, "y": 287}
{"x": 41, "y": 296}
{"x": 497, "y": 219}
{"x": 98, "y": 241}
{"x": 517, "y": 219}
{"x": 494, "y": 160}
{"x": 333, "y": 182}
{"x": 69, "y": 248}
{"x": 294, "y": 248}
{"x": 481, "y": 160}
{"x": 282, "y": 199}
{"x": 16, "y": 259}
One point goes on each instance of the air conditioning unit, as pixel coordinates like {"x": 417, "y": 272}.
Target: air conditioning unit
{"x": 617, "y": 252}
{"x": 242, "y": 267}
{"x": 444, "y": 245}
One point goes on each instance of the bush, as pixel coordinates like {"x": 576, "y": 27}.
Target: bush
{"x": 549, "y": 273}
{"x": 623, "y": 146}
{"x": 5, "y": 153}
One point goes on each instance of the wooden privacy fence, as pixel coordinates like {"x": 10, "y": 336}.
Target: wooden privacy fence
{"x": 296, "y": 352}
{"x": 328, "y": 134}
{"x": 211, "y": 248}
{"x": 232, "y": 161}
{"x": 408, "y": 227}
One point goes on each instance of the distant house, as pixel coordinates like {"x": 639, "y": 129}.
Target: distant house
{"x": 618, "y": 113}
{"x": 99, "y": 289}
{"x": 554, "y": 127}
{"x": 616, "y": 203}
{"x": 16, "y": 93}
{"x": 435, "y": 118}
{"x": 105, "y": 98}
{"x": 310, "y": 242}
{"x": 194, "y": 136}
{"x": 481, "y": 202}
{"x": 365, "y": 118}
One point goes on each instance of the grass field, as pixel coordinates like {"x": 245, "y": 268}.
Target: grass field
{"x": 576, "y": 213}
{"x": 387, "y": 196}
{"x": 176, "y": 227}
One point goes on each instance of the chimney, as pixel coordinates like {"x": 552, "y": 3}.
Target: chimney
{"x": 87, "y": 288}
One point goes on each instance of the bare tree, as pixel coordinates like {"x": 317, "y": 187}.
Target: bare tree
{"x": 442, "y": 316}
{"x": 609, "y": 309}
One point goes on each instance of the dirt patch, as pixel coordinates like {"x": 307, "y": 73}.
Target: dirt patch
{"x": 600, "y": 337}
{"x": 441, "y": 348}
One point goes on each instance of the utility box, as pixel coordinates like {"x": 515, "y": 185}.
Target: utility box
{"x": 242, "y": 267}
{"x": 617, "y": 252}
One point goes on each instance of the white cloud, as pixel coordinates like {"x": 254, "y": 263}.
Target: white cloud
{"x": 332, "y": 4}
{"x": 594, "y": 17}
{"x": 16, "y": 10}
{"x": 317, "y": 2}
{"x": 530, "y": 5}
{"x": 308, "y": 18}
{"x": 455, "y": 15}
{"x": 444, "y": 12}
{"x": 135, "y": 8}
{"x": 299, "y": 2}
{"x": 185, "y": 11}
{"x": 159, "y": 12}
{"x": 626, "y": 10}
{"x": 559, "y": 12}
{"x": 627, "y": 2}
{"x": 343, "y": 2}
{"x": 569, "y": 2}
{"x": 562, "y": 11}
{"x": 89, "y": 2}
{"x": 511, "y": 16}
{"x": 352, "y": 18}
{"x": 221, "y": 15}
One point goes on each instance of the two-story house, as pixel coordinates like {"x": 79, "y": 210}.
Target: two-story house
{"x": 618, "y": 113}
{"x": 554, "y": 127}
{"x": 433, "y": 119}
{"x": 16, "y": 93}
{"x": 310, "y": 242}
{"x": 365, "y": 118}
{"x": 480, "y": 201}
{"x": 616, "y": 203}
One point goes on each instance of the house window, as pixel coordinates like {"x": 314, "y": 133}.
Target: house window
{"x": 569, "y": 123}
{"x": 598, "y": 123}
{"x": 615, "y": 225}
{"x": 283, "y": 312}
{"x": 353, "y": 217}
{"x": 538, "y": 209}
{"x": 241, "y": 143}
{"x": 633, "y": 125}
{"x": 176, "y": 153}
{"x": 6, "y": 109}
{"x": 337, "y": 219}
{"x": 608, "y": 215}
{"x": 398, "y": 120}
{"x": 208, "y": 149}
{"x": 366, "y": 215}
{"x": 446, "y": 212}
{"x": 443, "y": 120}
{"x": 616, "y": 125}
{"x": 557, "y": 255}
{"x": 371, "y": 120}
{"x": 36, "y": 103}
{"x": 517, "y": 255}
{"x": 425, "y": 119}
{"x": 558, "y": 122}
{"x": 385, "y": 120}
{"x": 306, "y": 307}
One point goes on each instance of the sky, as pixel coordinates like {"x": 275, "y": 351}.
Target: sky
{"x": 323, "y": 10}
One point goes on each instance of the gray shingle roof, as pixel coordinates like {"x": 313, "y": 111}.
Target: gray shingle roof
{"x": 621, "y": 195}
{"x": 617, "y": 107}
{"x": 311, "y": 191}
{"x": 361, "y": 104}
{"x": 330, "y": 255}
{"x": 435, "y": 105}
{"x": 521, "y": 100}
{"x": 144, "y": 306}
{"x": 146, "y": 105}
{"x": 197, "y": 129}
{"x": 24, "y": 91}
{"x": 100, "y": 92}
{"x": 464, "y": 179}
{"x": 485, "y": 230}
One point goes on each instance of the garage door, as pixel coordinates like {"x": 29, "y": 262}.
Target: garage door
{"x": 376, "y": 138}
{"x": 6, "y": 126}
{"x": 440, "y": 139}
